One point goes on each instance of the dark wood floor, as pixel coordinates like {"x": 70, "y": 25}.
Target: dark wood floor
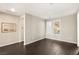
{"x": 42, "y": 47}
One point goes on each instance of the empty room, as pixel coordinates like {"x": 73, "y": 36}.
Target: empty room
{"x": 39, "y": 28}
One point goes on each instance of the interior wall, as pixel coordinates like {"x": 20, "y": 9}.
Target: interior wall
{"x": 34, "y": 29}
{"x": 21, "y": 28}
{"x": 9, "y": 37}
{"x": 78, "y": 29}
{"x": 68, "y": 29}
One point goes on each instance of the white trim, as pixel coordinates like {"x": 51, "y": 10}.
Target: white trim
{"x": 62, "y": 40}
{"x": 33, "y": 41}
{"x": 24, "y": 30}
{"x": 78, "y": 29}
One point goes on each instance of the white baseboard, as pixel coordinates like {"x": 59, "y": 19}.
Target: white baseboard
{"x": 77, "y": 44}
{"x": 50, "y": 39}
{"x": 62, "y": 40}
{"x": 32, "y": 41}
{"x": 10, "y": 43}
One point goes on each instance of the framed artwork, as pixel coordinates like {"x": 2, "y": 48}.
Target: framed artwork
{"x": 56, "y": 26}
{"x": 8, "y": 27}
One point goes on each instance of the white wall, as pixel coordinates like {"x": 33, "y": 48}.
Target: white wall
{"x": 21, "y": 28}
{"x": 68, "y": 29}
{"x": 78, "y": 29}
{"x": 10, "y": 37}
{"x": 34, "y": 29}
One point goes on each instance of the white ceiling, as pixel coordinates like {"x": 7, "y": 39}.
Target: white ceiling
{"x": 43, "y": 10}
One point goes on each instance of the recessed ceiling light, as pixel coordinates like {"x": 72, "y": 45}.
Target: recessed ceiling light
{"x": 12, "y": 9}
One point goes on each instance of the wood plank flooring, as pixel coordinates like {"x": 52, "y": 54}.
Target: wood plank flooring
{"x": 42, "y": 47}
